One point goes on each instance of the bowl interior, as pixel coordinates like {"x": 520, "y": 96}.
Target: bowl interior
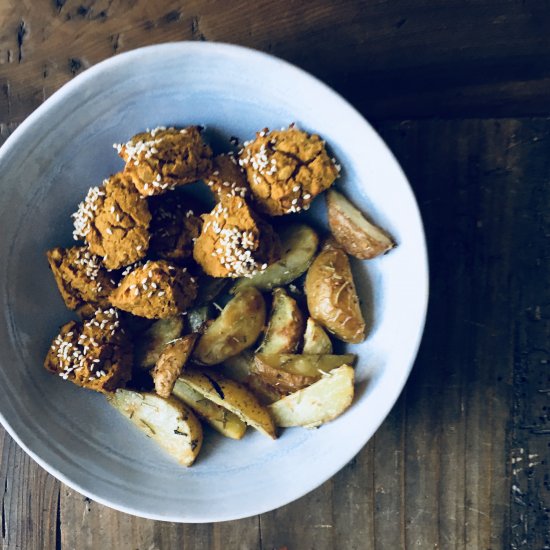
{"x": 64, "y": 148}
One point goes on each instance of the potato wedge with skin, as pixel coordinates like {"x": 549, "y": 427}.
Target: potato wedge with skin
{"x": 299, "y": 244}
{"x": 285, "y": 327}
{"x": 358, "y": 236}
{"x": 236, "y": 329}
{"x": 150, "y": 344}
{"x": 265, "y": 393}
{"x": 222, "y": 420}
{"x": 317, "y": 404}
{"x": 307, "y": 365}
{"x": 283, "y": 380}
{"x": 237, "y": 367}
{"x": 316, "y": 340}
{"x": 331, "y": 296}
{"x": 294, "y": 372}
{"x": 231, "y": 396}
{"x": 167, "y": 421}
{"x": 171, "y": 363}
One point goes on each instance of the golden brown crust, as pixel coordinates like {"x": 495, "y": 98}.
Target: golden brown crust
{"x": 171, "y": 363}
{"x": 156, "y": 290}
{"x": 175, "y": 226}
{"x": 114, "y": 220}
{"x": 163, "y": 158}
{"x": 357, "y": 236}
{"x": 95, "y": 354}
{"x": 286, "y": 170}
{"x": 234, "y": 241}
{"x": 236, "y": 329}
{"x": 331, "y": 296}
{"x": 83, "y": 282}
{"x": 286, "y": 325}
{"x": 280, "y": 379}
{"x": 228, "y": 178}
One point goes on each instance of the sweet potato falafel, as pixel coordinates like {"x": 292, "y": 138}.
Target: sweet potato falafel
{"x": 235, "y": 241}
{"x": 287, "y": 169}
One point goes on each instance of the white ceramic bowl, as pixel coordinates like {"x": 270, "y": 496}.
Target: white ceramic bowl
{"x": 65, "y": 147}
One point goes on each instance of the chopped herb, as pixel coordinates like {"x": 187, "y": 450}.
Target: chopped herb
{"x": 147, "y": 425}
{"x": 216, "y": 386}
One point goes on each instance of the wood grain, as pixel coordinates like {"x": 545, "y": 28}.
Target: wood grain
{"x": 30, "y": 500}
{"x": 462, "y": 460}
{"x": 86, "y": 524}
{"x": 391, "y": 58}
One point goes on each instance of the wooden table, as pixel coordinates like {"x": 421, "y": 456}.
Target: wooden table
{"x": 461, "y": 93}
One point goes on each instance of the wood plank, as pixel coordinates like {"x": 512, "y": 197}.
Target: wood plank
{"x": 306, "y": 523}
{"x": 30, "y": 500}
{"x": 353, "y": 502}
{"x": 389, "y": 479}
{"x": 87, "y": 524}
{"x": 391, "y": 58}
{"x": 457, "y": 485}
{"x": 530, "y": 437}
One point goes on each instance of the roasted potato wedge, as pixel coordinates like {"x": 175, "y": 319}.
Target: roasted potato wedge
{"x": 293, "y": 372}
{"x": 331, "y": 296}
{"x": 353, "y": 231}
{"x": 299, "y": 244}
{"x": 238, "y": 367}
{"x": 222, "y": 420}
{"x": 285, "y": 327}
{"x": 316, "y": 340}
{"x": 317, "y": 404}
{"x": 283, "y": 380}
{"x": 167, "y": 421}
{"x": 231, "y": 396}
{"x": 265, "y": 393}
{"x": 150, "y": 344}
{"x": 171, "y": 363}
{"x": 236, "y": 329}
{"x": 308, "y": 365}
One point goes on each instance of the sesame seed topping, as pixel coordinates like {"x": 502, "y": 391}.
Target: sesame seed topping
{"x": 85, "y": 214}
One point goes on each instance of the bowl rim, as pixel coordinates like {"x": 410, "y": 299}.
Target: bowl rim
{"x": 398, "y": 385}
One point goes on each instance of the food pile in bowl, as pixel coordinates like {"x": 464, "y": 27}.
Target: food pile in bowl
{"x": 225, "y": 317}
